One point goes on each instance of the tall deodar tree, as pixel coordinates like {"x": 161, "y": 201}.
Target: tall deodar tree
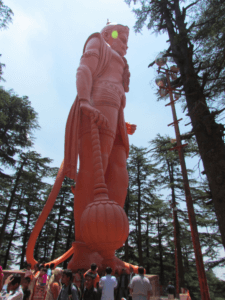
{"x": 195, "y": 80}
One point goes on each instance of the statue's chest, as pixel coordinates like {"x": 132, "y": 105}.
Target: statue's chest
{"x": 115, "y": 67}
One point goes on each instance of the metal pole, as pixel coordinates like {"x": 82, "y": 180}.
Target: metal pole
{"x": 191, "y": 214}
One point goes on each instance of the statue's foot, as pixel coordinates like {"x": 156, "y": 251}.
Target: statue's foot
{"x": 83, "y": 257}
{"x": 117, "y": 265}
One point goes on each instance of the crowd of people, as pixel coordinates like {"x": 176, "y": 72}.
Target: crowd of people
{"x": 45, "y": 282}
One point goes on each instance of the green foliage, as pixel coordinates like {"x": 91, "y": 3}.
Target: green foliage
{"x": 195, "y": 31}
{"x": 57, "y": 234}
{"x": 154, "y": 188}
{"x": 25, "y": 190}
{"x": 216, "y": 286}
{"x": 209, "y": 34}
{"x": 17, "y": 122}
{"x": 147, "y": 206}
{"x": 1, "y": 72}
{"x": 5, "y": 15}
{"x": 5, "y": 18}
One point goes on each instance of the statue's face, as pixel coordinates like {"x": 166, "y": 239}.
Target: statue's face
{"x": 119, "y": 43}
{"x": 117, "y": 39}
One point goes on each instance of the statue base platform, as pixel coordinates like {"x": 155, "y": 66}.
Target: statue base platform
{"x": 83, "y": 257}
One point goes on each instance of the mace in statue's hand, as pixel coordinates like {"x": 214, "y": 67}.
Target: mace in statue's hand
{"x": 89, "y": 110}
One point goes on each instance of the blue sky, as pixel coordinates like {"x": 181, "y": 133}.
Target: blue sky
{"x": 42, "y": 49}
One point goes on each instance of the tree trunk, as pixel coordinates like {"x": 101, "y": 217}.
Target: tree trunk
{"x": 139, "y": 216}
{"x": 179, "y": 253}
{"x": 11, "y": 238}
{"x": 176, "y": 227}
{"x": 161, "y": 272}
{"x": 36, "y": 249}
{"x": 11, "y": 200}
{"x": 209, "y": 134}
{"x": 25, "y": 238}
{"x": 45, "y": 247}
{"x": 68, "y": 241}
{"x": 57, "y": 227}
{"x": 126, "y": 208}
{"x": 209, "y": 137}
{"x": 147, "y": 247}
{"x": 186, "y": 259}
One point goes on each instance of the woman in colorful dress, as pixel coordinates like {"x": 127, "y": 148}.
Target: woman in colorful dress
{"x": 39, "y": 289}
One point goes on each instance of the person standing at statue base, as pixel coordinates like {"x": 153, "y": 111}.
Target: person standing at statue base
{"x": 123, "y": 285}
{"x": 90, "y": 292}
{"x": 108, "y": 283}
{"x": 94, "y": 271}
{"x": 140, "y": 286}
{"x": 171, "y": 291}
{"x": 12, "y": 286}
{"x": 68, "y": 291}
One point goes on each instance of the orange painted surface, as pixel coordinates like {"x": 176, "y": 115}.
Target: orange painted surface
{"x": 96, "y": 132}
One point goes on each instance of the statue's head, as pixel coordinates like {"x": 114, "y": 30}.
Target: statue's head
{"x": 116, "y": 36}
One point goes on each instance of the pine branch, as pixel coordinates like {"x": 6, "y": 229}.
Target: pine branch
{"x": 214, "y": 264}
{"x": 199, "y": 68}
{"x": 190, "y": 5}
{"x": 191, "y": 26}
{"x": 204, "y": 80}
{"x": 187, "y": 136}
{"x": 217, "y": 112}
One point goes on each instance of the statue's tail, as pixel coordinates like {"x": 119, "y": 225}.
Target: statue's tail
{"x": 42, "y": 218}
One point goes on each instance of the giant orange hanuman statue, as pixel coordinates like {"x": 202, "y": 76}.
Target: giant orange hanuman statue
{"x": 97, "y": 132}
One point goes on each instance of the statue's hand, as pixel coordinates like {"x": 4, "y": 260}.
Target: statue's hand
{"x": 131, "y": 128}
{"x": 89, "y": 111}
